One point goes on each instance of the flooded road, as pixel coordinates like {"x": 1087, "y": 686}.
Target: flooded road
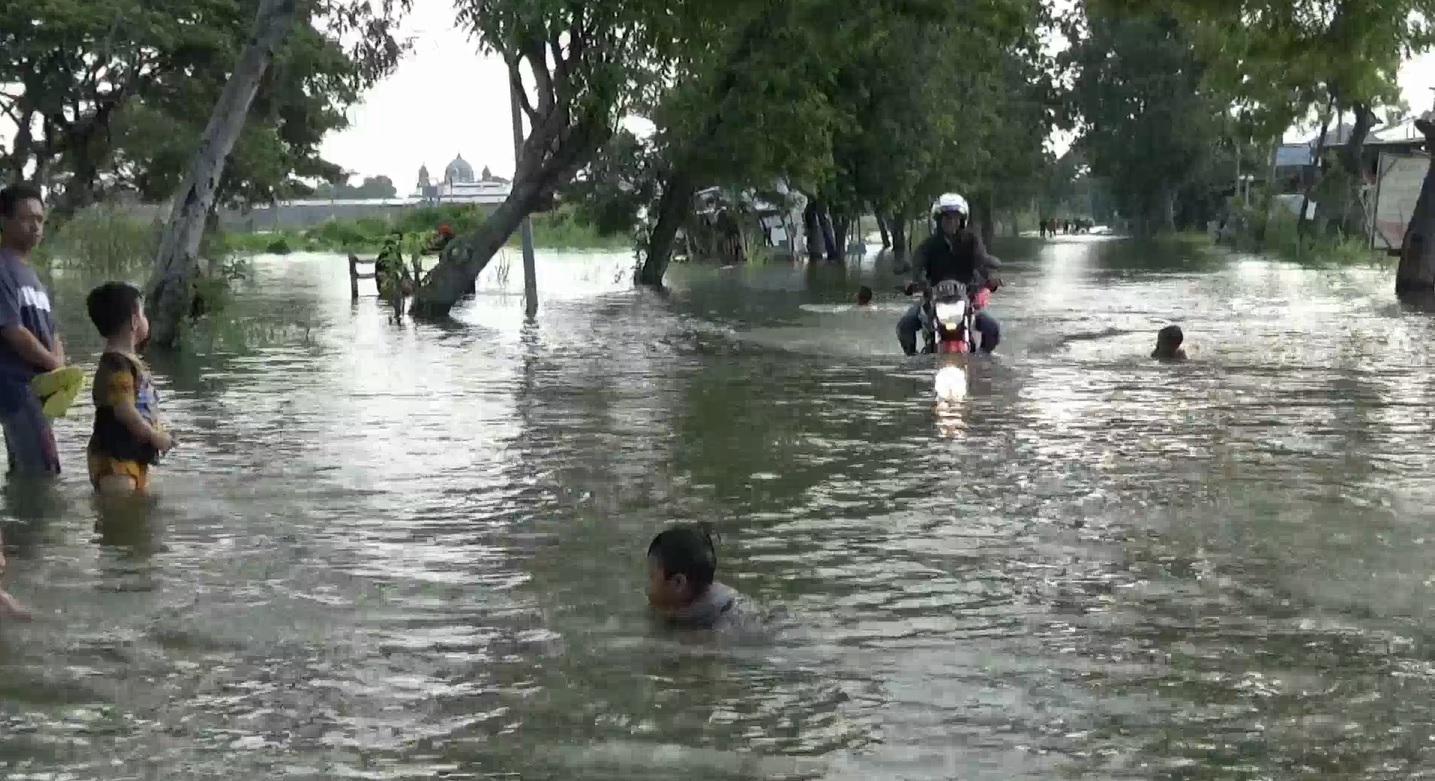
{"x": 413, "y": 552}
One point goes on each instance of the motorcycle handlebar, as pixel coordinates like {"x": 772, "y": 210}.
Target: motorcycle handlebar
{"x": 913, "y": 288}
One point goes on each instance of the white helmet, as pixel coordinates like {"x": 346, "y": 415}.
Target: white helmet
{"x": 950, "y": 202}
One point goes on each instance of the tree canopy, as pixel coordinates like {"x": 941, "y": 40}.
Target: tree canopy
{"x": 111, "y": 96}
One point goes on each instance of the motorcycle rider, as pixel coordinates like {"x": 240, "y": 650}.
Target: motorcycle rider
{"x": 955, "y": 252}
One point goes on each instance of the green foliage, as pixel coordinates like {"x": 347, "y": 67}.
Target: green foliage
{"x": 103, "y": 243}
{"x": 111, "y": 96}
{"x": 371, "y": 187}
{"x": 1276, "y": 61}
{"x": 876, "y": 106}
{"x": 610, "y": 194}
{"x": 559, "y": 229}
{"x": 1276, "y": 231}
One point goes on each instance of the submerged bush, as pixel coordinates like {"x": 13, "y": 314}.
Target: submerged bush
{"x": 102, "y": 242}
{"x": 1276, "y": 230}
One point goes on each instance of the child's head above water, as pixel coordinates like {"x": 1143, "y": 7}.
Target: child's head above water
{"x": 682, "y": 562}
{"x": 1168, "y": 344}
{"x": 864, "y": 296}
{"x": 117, "y": 310}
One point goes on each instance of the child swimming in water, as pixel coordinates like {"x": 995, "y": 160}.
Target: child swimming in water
{"x": 1168, "y": 344}
{"x": 681, "y": 564}
{"x": 864, "y": 296}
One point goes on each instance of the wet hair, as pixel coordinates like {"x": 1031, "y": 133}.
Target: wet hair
{"x": 111, "y": 306}
{"x": 686, "y": 550}
{"x": 864, "y": 295}
{"x": 1170, "y": 336}
{"x": 11, "y": 196}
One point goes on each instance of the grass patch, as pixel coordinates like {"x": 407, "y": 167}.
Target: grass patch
{"x": 559, "y": 229}
{"x": 1277, "y": 233}
{"x": 103, "y": 244}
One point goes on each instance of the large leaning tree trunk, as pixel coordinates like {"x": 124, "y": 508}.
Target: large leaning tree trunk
{"x": 567, "y": 126}
{"x": 170, "y": 292}
{"x": 1415, "y": 276}
{"x": 674, "y": 207}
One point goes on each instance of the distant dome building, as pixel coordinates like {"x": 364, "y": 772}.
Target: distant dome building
{"x": 459, "y": 185}
{"x": 458, "y": 172}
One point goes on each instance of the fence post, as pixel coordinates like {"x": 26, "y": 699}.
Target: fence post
{"x": 353, "y": 278}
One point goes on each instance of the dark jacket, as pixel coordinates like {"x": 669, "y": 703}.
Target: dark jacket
{"x": 964, "y": 260}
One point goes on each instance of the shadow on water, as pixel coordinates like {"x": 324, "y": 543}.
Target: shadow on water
{"x": 406, "y": 551}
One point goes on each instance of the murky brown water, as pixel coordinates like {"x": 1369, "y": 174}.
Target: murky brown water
{"x": 414, "y": 552}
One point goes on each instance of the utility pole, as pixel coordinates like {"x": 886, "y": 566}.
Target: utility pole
{"x": 525, "y": 229}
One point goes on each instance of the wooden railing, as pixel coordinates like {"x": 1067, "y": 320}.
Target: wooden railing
{"x": 355, "y": 274}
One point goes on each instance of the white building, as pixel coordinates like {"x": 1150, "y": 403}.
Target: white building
{"x": 460, "y": 185}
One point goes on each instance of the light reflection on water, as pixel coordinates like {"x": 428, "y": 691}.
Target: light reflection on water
{"x": 411, "y": 551}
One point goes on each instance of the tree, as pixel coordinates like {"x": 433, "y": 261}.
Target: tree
{"x": 371, "y": 187}
{"x": 746, "y": 113}
{"x": 170, "y": 292}
{"x": 1415, "y": 275}
{"x": 590, "y": 64}
{"x": 611, "y": 193}
{"x": 852, "y": 106}
{"x": 302, "y": 97}
{"x": 171, "y": 288}
{"x": 1279, "y": 62}
{"x": 100, "y": 91}
{"x": 69, "y": 67}
{"x": 1147, "y": 119}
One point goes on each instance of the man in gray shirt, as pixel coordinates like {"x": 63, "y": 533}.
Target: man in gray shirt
{"x": 28, "y": 343}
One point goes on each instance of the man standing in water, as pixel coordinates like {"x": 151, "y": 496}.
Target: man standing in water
{"x": 28, "y": 343}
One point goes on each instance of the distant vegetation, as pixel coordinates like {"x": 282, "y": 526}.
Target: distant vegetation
{"x": 372, "y": 187}
{"x": 558, "y": 229}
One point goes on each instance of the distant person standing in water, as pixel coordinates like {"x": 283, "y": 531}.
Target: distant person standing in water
{"x": 29, "y": 344}
{"x": 1168, "y": 344}
{"x": 864, "y": 296}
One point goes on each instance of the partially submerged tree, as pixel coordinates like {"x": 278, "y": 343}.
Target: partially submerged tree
{"x": 855, "y": 106}
{"x": 589, "y": 63}
{"x": 1415, "y": 276}
{"x": 746, "y": 109}
{"x": 170, "y": 292}
{"x": 1281, "y": 59}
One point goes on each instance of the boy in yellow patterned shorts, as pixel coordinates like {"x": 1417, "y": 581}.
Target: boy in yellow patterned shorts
{"x": 128, "y": 436}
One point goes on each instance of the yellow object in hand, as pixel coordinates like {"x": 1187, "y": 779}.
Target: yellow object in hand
{"x": 58, "y": 389}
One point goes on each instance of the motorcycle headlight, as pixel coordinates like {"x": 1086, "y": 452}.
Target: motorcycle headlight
{"x": 951, "y": 313}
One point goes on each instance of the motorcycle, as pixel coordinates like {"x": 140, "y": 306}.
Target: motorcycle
{"x": 948, "y": 316}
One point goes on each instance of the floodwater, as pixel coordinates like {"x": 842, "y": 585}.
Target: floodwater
{"x": 413, "y": 552}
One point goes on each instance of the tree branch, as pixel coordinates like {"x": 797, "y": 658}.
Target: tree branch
{"x": 536, "y": 52}
{"x": 515, "y": 80}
